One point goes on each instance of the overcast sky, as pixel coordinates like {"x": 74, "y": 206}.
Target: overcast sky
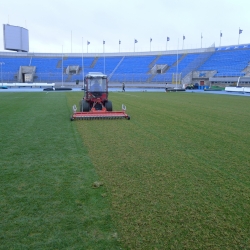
{"x": 56, "y": 25}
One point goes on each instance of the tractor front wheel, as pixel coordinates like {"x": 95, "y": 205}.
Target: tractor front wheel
{"x": 84, "y": 106}
{"x": 108, "y": 106}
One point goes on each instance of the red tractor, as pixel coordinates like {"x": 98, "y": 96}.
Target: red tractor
{"x": 95, "y": 103}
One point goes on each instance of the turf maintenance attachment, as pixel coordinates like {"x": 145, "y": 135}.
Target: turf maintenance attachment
{"x": 94, "y": 114}
{"x": 95, "y": 103}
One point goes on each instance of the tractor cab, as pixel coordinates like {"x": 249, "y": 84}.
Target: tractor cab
{"x": 95, "y": 93}
{"x": 96, "y": 86}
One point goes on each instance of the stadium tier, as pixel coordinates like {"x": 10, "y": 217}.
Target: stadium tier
{"x": 190, "y": 65}
{"x": 228, "y": 63}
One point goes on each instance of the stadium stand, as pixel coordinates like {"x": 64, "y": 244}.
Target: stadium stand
{"x": 11, "y": 66}
{"x": 69, "y": 61}
{"x": 232, "y": 61}
{"x": 135, "y": 68}
{"x": 169, "y": 60}
{"x": 46, "y": 69}
{"x": 227, "y": 63}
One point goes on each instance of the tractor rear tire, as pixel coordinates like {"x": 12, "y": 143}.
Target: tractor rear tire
{"x": 108, "y": 106}
{"x": 84, "y": 106}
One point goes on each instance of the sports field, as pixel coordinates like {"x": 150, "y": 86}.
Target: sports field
{"x": 175, "y": 176}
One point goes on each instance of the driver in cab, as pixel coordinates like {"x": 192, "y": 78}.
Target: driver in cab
{"x": 96, "y": 86}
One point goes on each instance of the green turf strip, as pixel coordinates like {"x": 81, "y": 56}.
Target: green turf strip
{"x": 46, "y": 176}
{"x": 178, "y": 172}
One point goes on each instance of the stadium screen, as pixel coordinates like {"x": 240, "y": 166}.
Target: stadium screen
{"x": 15, "y": 38}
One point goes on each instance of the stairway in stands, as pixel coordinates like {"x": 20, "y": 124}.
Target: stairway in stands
{"x": 112, "y": 73}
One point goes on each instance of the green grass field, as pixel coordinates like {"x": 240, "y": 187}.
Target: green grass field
{"x": 176, "y": 176}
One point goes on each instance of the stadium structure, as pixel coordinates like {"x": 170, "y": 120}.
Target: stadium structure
{"x": 223, "y": 65}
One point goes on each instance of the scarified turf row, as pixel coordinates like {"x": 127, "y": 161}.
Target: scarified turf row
{"x": 177, "y": 173}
